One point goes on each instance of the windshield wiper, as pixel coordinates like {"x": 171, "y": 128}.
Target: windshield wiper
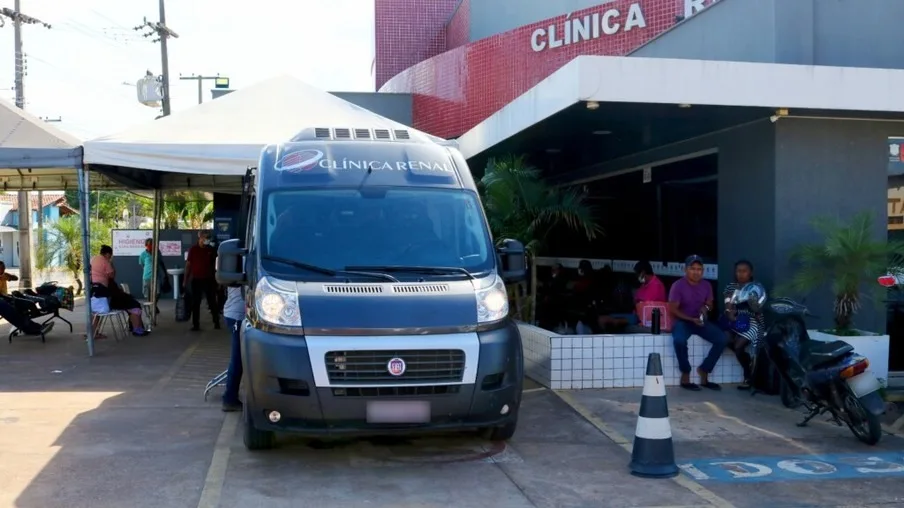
{"x": 327, "y": 271}
{"x": 439, "y": 270}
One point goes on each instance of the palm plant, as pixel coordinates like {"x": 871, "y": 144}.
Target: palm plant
{"x": 193, "y": 210}
{"x": 848, "y": 257}
{"x": 171, "y": 213}
{"x": 63, "y": 244}
{"x": 198, "y": 211}
{"x": 521, "y": 205}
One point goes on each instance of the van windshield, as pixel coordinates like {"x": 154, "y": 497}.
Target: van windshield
{"x": 375, "y": 226}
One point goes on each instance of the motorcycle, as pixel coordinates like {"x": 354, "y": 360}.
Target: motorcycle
{"x": 824, "y": 377}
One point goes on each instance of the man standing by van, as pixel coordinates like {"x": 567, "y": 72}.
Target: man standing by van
{"x": 199, "y": 273}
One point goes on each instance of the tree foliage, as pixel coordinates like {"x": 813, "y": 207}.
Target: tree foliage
{"x": 189, "y": 210}
{"x": 521, "y": 205}
{"x": 62, "y": 245}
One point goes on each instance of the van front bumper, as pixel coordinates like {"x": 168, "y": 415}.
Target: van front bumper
{"x": 279, "y": 377}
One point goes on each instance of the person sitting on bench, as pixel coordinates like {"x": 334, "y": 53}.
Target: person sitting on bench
{"x": 21, "y": 322}
{"x": 4, "y": 278}
{"x": 103, "y": 285}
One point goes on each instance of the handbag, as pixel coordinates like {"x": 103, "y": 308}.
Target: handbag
{"x": 740, "y": 325}
{"x": 100, "y": 305}
{"x": 644, "y": 311}
{"x": 182, "y": 309}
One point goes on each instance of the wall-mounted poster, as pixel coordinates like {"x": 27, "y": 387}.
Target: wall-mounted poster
{"x": 896, "y": 156}
{"x": 223, "y": 229}
{"x": 170, "y": 248}
{"x": 129, "y": 242}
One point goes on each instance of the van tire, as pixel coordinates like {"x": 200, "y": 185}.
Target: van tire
{"x": 255, "y": 439}
{"x": 502, "y": 433}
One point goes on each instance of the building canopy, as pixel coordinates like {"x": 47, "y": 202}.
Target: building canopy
{"x": 605, "y": 80}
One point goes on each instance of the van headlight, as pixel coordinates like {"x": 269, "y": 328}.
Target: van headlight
{"x": 492, "y": 302}
{"x": 276, "y": 305}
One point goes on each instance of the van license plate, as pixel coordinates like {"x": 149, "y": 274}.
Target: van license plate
{"x": 398, "y": 411}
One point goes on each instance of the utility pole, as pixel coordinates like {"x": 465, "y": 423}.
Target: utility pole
{"x": 161, "y": 32}
{"x": 200, "y": 79}
{"x": 18, "y": 19}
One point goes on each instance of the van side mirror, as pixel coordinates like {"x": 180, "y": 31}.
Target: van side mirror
{"x": 231, "y": 263}
{"x": 512, "y": 261}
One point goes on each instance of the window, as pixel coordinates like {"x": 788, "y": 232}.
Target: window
{"x": 336, "y": 228}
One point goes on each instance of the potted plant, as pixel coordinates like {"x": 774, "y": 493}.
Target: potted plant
{"x": 521, "y": 205}
{"x": 849, "y": 260}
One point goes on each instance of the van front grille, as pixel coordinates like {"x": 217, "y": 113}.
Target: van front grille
{"x": 421, "y": 366}
{"x": 397, "y": 391}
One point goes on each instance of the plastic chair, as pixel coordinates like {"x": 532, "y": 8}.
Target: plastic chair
{"x": 118, "y": 320}
{"x": 147, "y": 308}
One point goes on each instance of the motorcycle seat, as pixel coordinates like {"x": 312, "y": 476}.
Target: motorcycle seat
{"x": 820, "y": 353}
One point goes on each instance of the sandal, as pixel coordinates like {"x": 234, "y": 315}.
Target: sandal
{"x": 711, "y": 386}
{"x": 694, "y": 387}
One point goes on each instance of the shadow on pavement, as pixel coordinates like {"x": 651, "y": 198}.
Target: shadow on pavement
{"x": 124, "y": 428}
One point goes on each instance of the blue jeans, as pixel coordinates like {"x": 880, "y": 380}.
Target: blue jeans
{"x": 234, "y": 373}
{"x": 681, "y": 333}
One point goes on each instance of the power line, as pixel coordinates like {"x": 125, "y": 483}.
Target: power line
{"x": 162, "y": 33}
{"x": 18, "y": 18}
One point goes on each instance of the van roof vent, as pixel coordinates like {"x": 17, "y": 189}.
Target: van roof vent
{"x": 420, "y": 288}
{"x": 381, "y": 133}
{"x": 362, "y": 133}
{"x": 343, "y": 133}
{"x": 401, "y": 134}
{"x": 353, "y": 289}
{"x": 322, "y": 132}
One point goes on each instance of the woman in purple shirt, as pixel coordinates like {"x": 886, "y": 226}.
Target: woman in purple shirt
{"x": 690, "y": 301}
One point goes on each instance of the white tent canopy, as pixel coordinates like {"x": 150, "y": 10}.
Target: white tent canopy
{"x": 226, "y": 135}
{"x": 34, "y": 154}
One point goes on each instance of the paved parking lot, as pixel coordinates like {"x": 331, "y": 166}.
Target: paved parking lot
{"x": 130, "y": 428}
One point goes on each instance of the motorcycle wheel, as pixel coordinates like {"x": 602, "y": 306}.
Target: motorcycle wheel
{"x": 865, "y": 425}
{"x": 789, "y": 399}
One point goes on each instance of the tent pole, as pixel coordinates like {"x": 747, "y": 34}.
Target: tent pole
{"x": 158, "y": 197}
{"x": 85, "y": 216}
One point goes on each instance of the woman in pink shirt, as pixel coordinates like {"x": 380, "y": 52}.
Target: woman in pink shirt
{"x": 651, "y": 288}
{"x": 103, "y": 285}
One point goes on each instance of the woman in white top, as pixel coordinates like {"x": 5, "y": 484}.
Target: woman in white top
{"x": 234, "y": 313}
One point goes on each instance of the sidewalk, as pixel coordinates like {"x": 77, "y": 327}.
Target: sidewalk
{"x": 130, "y": 427}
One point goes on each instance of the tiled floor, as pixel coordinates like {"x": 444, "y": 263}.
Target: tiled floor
{"x": 610, "y": 361}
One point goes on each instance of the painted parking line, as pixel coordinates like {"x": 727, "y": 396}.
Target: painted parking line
{"x": 685, "y": 481}
{"x": 216, "y": 473}
{"x": 797, "y": 468}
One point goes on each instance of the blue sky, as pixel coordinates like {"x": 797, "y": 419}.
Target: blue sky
{"x": 76, "y": 70}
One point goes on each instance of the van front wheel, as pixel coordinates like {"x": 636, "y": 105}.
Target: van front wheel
{"x": 255, "y": 439}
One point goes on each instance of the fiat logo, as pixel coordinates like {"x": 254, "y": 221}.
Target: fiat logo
{"x": 396, "y": 367}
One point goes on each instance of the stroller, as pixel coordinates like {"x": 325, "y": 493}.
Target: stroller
{"x": 46, "y": 300}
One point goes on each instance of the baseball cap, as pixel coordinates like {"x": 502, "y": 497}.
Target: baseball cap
{"x": 693, "y": 259}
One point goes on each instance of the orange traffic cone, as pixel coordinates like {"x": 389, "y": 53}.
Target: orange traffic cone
{"x": 653, "y": 455}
